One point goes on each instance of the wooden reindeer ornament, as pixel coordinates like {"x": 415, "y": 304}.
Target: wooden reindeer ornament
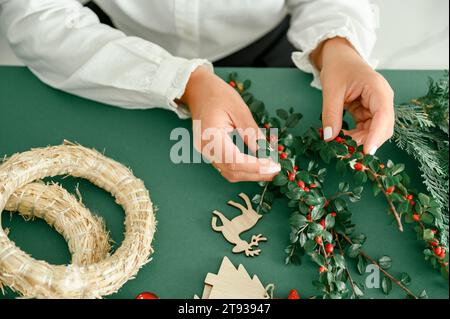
{"x": 232, "y": 229}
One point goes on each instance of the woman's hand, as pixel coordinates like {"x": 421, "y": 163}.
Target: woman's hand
{"x": 348, "y": 81}
{"x": 219, "y": 110}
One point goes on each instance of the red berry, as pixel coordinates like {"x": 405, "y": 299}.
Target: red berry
{"x": 442, "y": 255}
{"x": 434, "y": 243}
{"x": 438, "y": 250}
{"x": 333, "y": 214}
{"x": 291, "y": 176}
{"x": 301, "y": 184}
{"x": 351, "y": 149}
{"x": 280, "y": 148}
{"x": 311, "y": 207}
{"x": 306, "y": 189}
{"x": 382, "y": 166}
{"x": 412, "y": 202}
{"x": 327, "y": 202}
{"x": 339, "y": 139}
{"x": 309, "y": 217}
{"x": 283, "y": 155}
{"x": 322, "y": 269}
{"x": 409, "y": 197}
{"x": 293, "y": 294}
{"x": 321, "y": 133}
{"x": 322, "y": 223}
{"x": 416, "y": 217}
{"x": 359, "y": 166}
{"x": 232, "y": 83}
{"x": 390, "y": 190}
{"x": 312, "y": 185}
{"x": 434, "y": 231}
{"x": 266, "y": 125}
{"x": 329, "y": 248}
{"x": 295, "y": 168}
{"x": 318, "y": 240}
{"x": 147, "y": 295}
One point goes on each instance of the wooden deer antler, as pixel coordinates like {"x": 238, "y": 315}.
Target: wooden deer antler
{"x": 231, "y": 229}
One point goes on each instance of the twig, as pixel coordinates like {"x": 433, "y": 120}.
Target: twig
{"x": 398, "y": 283}
{"x": 391, "y": 204}
{"x": 346, "y": 270}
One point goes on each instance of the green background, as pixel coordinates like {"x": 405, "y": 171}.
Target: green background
{"x": 35, "y": 115}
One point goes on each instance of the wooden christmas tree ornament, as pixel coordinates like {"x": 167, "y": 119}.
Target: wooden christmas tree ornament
{"x": 232, "y": 229}
{"x": 232, "y": 283}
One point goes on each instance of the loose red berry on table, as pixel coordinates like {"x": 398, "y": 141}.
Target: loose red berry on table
{"x": 359, "y": 166}
{"x": 409, "y": 197}
{"x": 232, "y": 83}
{"x": 147, "y": 295}
{"x": 416, "y": 217}
{"x": 291, "y": 176}
{"x": 322, "y": 269}
{"x": 283, "y": 155}
{"x": 318, "y": 240}
{"x": 301, "y": 184}
{"x": 312, "y": 185}
{"x": 280, "y": 148}
{"x": 390, "y": 189}
{"x": 329, "y": 248}
{"x": 293, "y": 294}
{"x": 333, "y": 214}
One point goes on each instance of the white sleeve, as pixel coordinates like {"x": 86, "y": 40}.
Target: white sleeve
{"x": 313, "y": 21}
{"x": 65, "y": 45}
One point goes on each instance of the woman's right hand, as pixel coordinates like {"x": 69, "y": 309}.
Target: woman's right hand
{"x": 219, "y": 110}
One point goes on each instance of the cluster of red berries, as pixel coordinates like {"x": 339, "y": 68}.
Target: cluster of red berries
{"x": 439, "y": 251}
{"x": 283, "y": 154}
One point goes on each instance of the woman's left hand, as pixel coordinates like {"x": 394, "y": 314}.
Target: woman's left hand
{"x": 349, "y": 82}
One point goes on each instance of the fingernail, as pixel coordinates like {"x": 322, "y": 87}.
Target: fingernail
{"x": 327, "y": 132}
{"x": 373, "y": 150}
{"x": 271, "y": 169}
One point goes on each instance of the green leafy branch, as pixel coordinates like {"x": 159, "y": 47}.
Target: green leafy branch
{"x": 315, "y": 218}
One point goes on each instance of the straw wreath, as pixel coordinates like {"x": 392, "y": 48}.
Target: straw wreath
{"x": 82, "y": 279}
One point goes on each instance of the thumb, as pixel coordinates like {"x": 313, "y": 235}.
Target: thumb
{"x": 332, "y": 113}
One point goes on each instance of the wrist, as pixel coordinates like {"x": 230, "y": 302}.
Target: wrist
{"x": 199, "y": 77}
{"x": 332, "y": 49}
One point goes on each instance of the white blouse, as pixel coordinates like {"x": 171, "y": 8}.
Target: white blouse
{"x": 147, "y": 62}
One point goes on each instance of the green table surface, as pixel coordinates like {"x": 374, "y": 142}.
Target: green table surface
{"x": 186, "y": 249}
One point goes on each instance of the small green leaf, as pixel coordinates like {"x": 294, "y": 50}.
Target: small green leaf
{"x": 354, "y": 250}
{"x": 283, "y": 114}
{"x": 428, "y": 234}
{"x": 405, "y": 279}
{"x": 362, "y": 264}
{"x": 385, "y": 262}
{"x": 398, "y": 168}
{"x": 280, "y": 180}
{"x": 386, "y": 285}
